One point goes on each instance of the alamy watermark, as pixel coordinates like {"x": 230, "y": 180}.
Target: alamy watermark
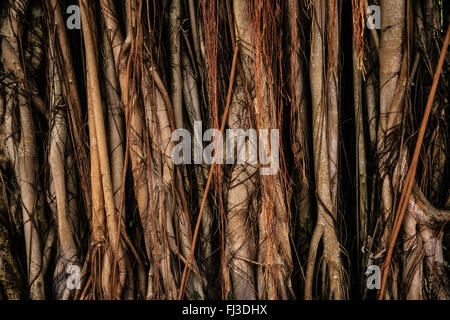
{"x": 373, "y": 20}
{"x": 74, "y": 20}
{"x": 373, "y": 17}
{"x": 258, "y": 148}
{"x": 373, "y": 274}
{"x": 73, "y": 280}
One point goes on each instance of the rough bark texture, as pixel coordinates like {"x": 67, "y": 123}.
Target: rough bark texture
{"x": 89, "y": 181}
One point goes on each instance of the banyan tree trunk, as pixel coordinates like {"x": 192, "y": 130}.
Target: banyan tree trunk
{"x": 234, "y": 149}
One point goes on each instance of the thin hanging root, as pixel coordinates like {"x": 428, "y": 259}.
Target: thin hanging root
{"x": 11, "y": 46}
{"x": 70, "y": 91}
{"x": 60, "y": 160}
{"x": 26, "y": 166}
{"x": 362, "y": 196}
{"x": 58, "y": 140}
{"x": 239, "y": 235}
{"x": 175, "y": 54}
{"x": 94, "y": 90}
{"x": 97, "y": 223}
{"x": 187, "y": 266}
{"x": 192, "y": 101}
{"x": 325, "y": 172}
{"x": 410, "y": 176}
{"x": 115, "y": 121}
